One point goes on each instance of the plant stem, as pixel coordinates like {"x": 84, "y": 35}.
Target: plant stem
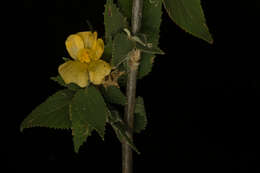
{"x": 133, "y": 64}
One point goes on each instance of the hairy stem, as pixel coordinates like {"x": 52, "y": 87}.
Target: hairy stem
{"x": 133, "y": 64}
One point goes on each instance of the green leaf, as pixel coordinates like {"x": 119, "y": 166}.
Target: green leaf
{"x": 140, "y": 119}
{"x": 189, "y": 15}
{"x": 81, "y": 130}
{"x": 150, "y": 29}
{"x": 121, "y": 130}
{"x": 61, "y": 82}
{"x": 126, "y": 7}
{"x": 121, "y": 47}
{"x": 88, "y": 109}
{"x": 108, "y": 50}
{"x": 151, "y": 20}
{"x": 146, "y": 64}
{"x": 53, "y": 113}
{"x": 114, "y": 95}
{"x": 114, "y": 20}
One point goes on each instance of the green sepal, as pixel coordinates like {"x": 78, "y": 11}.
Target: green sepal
{"x": 53, "y": 113}
{"x": 189, "y": 16}
{"x": 66, "y": 59}
{"x": 140, "y": 119}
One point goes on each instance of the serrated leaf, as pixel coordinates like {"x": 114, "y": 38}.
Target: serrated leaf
{"x": 88, "y": 109}
{"x": 114, "y": 95}
{"x": 121, "y": 47}
{"x": 53, "y": 113}
{"x": 61, "y": 82}
{"x": 113, "y": 19}
{"x": 126, "y": 7}
{"x": 121, "y": 130}
{"x": 189, "y": 15}
{"x": 80, "y": 132}
{"x": 151, "y": 20}
{"x": 108, "y": 50}
{"x": 146, "y": 65}
{"x": 140, "y": 119}
{"x": 152, "y": 12}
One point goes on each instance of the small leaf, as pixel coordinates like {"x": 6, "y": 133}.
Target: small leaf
{"x": 113, "y": 19}
{"x": 59, "y": 80}
{"x": 108, "y": 50}
{"x": 66, "y": 59}
{"x": 140, "y": 120}
{"x": 126, "y": 7}
{"x": 150, "y": 29}
{"x": 151, "y": 20}
{"x": 121, "y": 47}
{"x": 121, "y": 130}
{"x": 53, "y": 113}
{"x": 146, "y": 65}
{"x": 189, "y": 15}
{"x": 88, "y": 109}
{"x": 114, "y": 95}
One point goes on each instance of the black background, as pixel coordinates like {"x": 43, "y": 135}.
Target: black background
{"x": 202, "y": 100}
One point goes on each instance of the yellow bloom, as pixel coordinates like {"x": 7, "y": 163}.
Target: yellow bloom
{"x": 86, "y": 50}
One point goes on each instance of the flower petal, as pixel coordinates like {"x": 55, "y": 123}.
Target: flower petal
{"x": 74, "y": 43}
{"x": 89, "y": 39}
{"x": 74, "y": 72}
{"x": 98, "y": 70}
{"x": 99, "y": 49}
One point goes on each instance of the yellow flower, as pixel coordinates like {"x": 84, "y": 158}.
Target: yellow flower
{"x": 86, "y": 50}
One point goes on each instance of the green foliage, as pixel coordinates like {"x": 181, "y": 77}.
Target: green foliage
{"x": 189, "y": 15}
{"x": 126, "y": 7}
{"x": 151, "y": 20}
{"x": 114, "y": 95}
{"x": 88, "y": 109}
{"x": 113, "y": 19}
{"x": 121, "y": 47}
{"x": 150, "y": 29}
{"x": 140, "y": 120}
{"x": 108, "y": 50}
{"x": 53, "y": 113}
{"x": 80, "y": 132}
{"x": 121, "y": 129}
{"x": 61, "y": 82}
{"x": 146, "y": 64}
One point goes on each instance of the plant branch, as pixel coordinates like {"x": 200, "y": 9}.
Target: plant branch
{"x": 133, "y": 64}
